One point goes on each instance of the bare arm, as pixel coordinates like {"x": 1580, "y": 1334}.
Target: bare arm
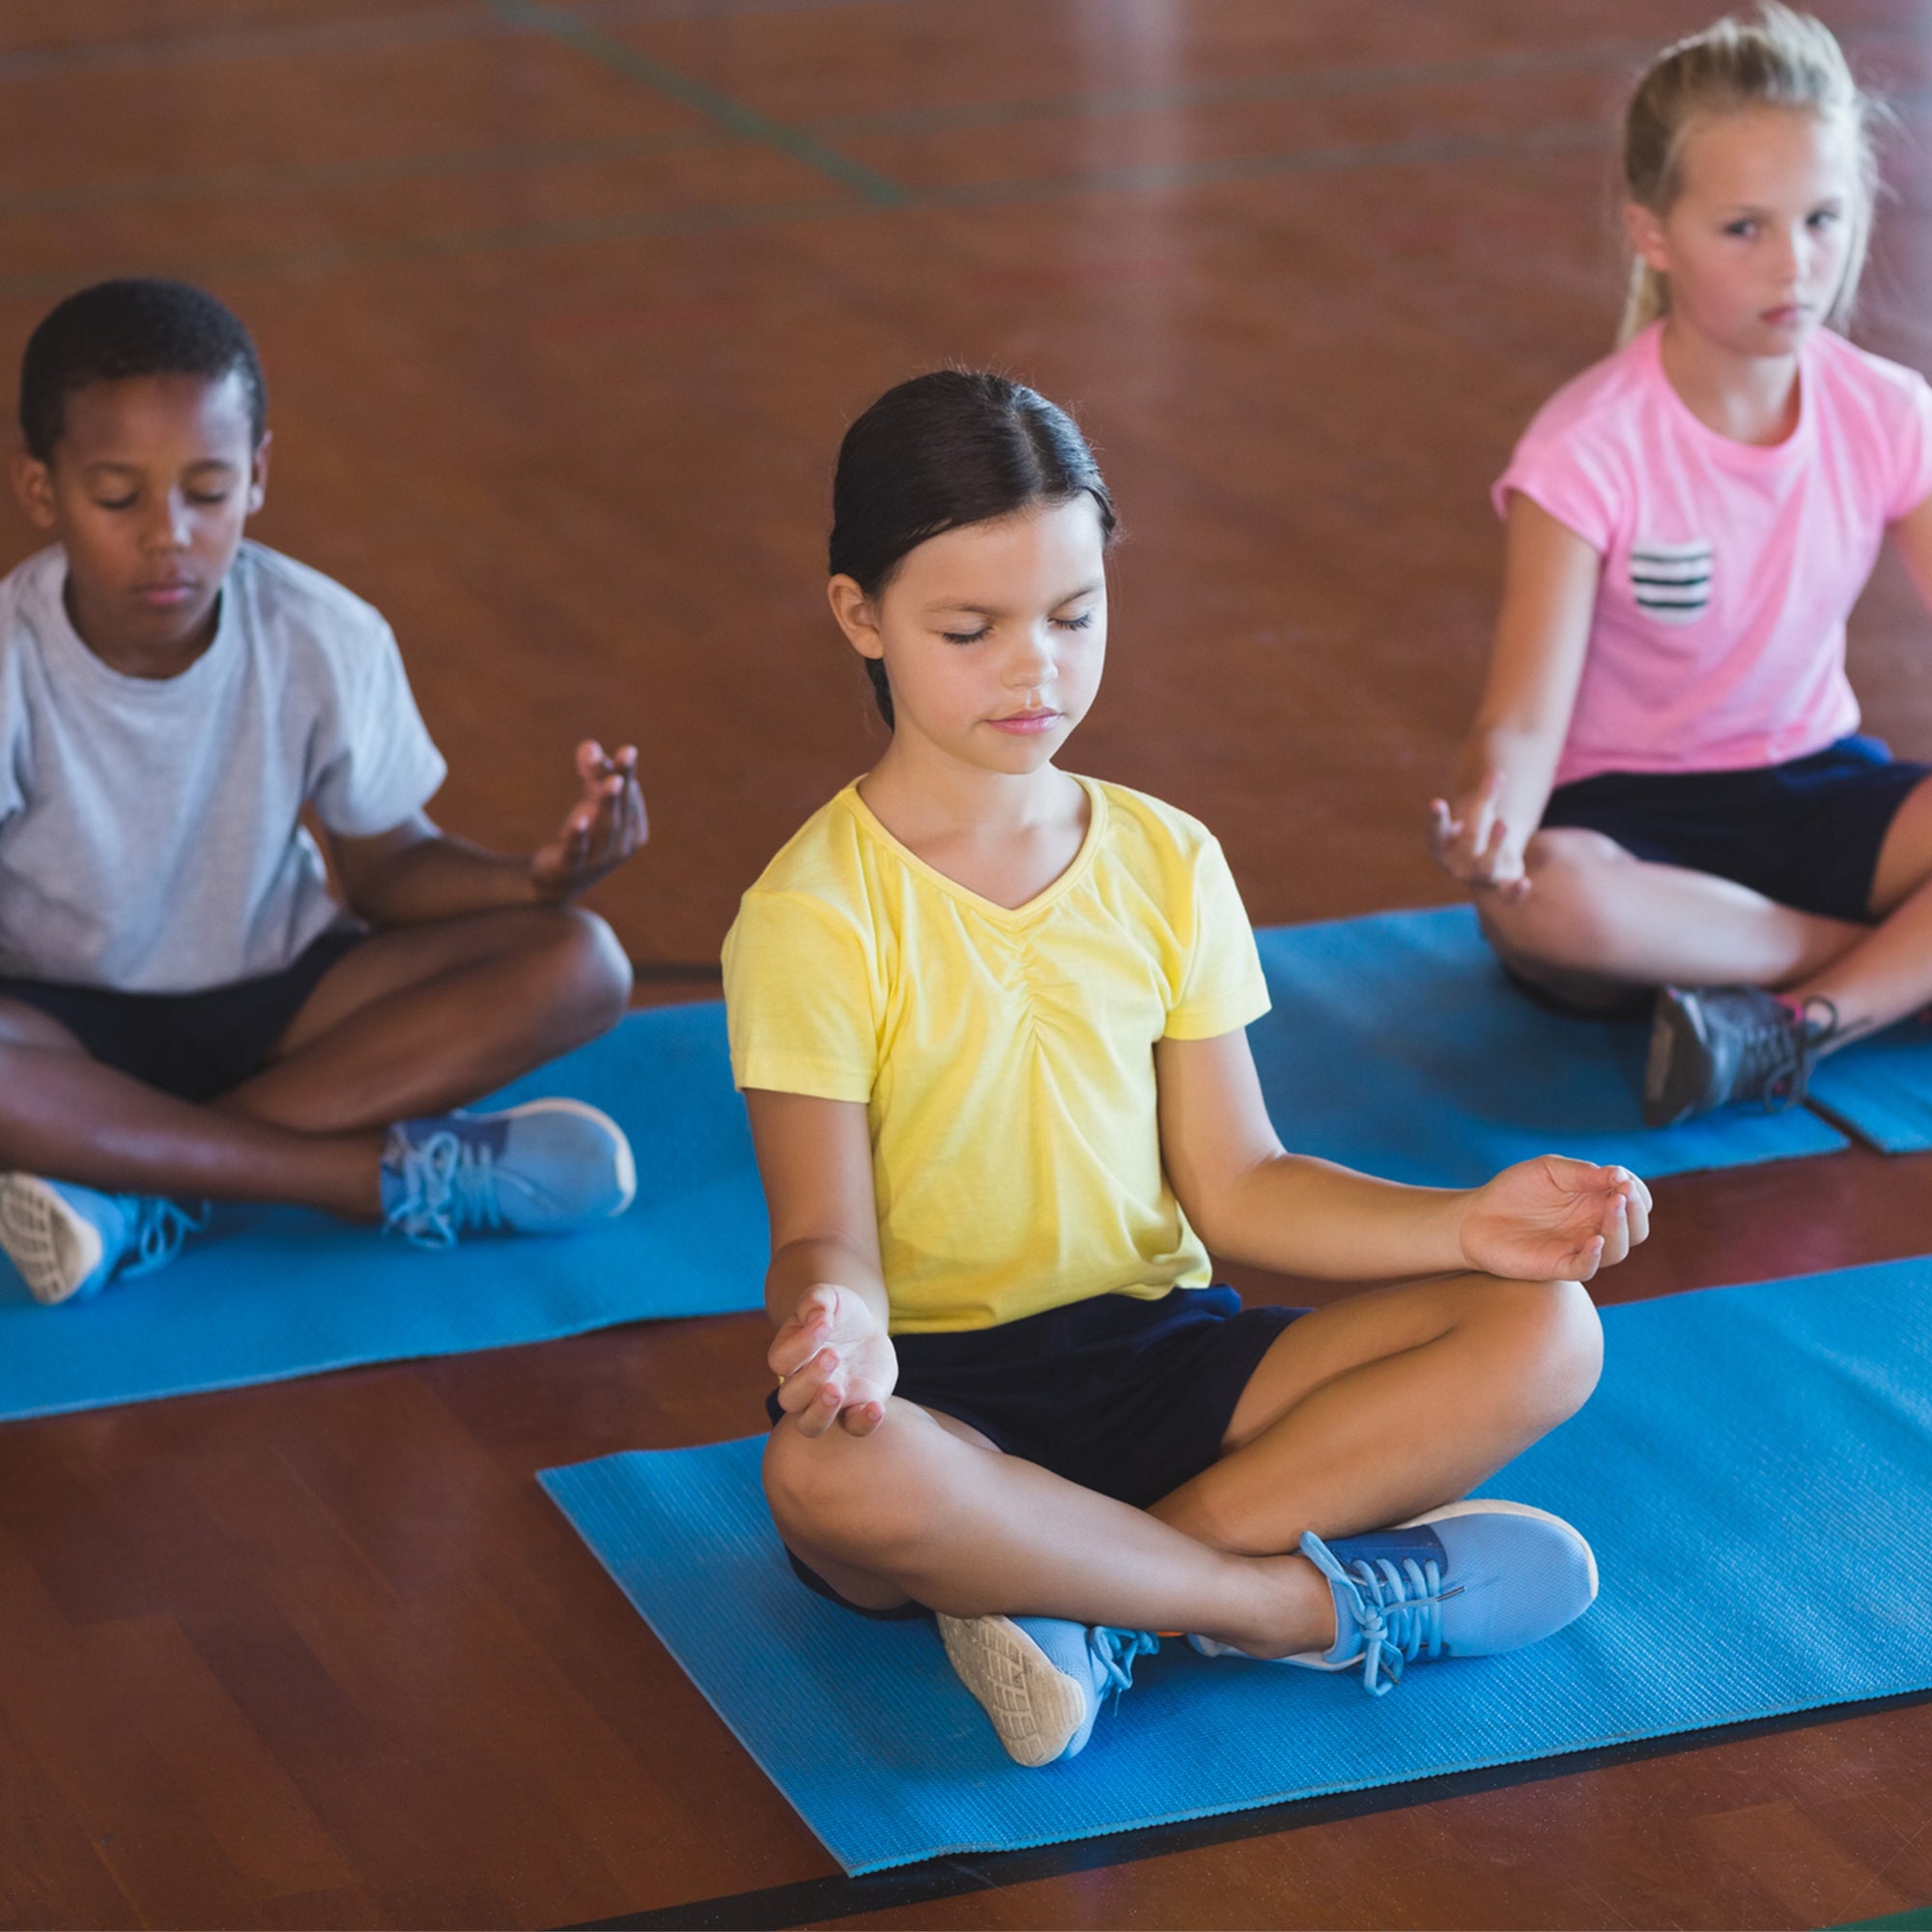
{"x": 1250, "y": 1201}
{"x": 825, "y": 1289}
{"x": 415, "y": 872}
{"x": 1504, "y": 772}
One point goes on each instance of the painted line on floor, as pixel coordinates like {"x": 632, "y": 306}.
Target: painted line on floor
{"x": 730, "y": 116}
{"x": 1159, "y": 179}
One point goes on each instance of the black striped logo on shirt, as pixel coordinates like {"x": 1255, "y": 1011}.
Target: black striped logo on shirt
{"x": 1671, "y": 582}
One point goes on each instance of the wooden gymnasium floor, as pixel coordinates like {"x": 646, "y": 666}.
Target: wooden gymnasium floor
{"x": 564, "y": 308}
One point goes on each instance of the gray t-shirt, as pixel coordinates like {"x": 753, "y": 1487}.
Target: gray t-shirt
{"x": 149, "y": 836}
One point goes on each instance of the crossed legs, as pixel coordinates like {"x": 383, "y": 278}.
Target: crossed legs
{"x": 412, "y": 1021}
{"x": 1596, "y": 922}
{"x": 1361, "y": 1414}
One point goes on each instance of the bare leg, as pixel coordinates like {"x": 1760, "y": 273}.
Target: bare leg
{"x": 1592, "y": 909}
{"x": 1887, "y": 973}
{"x": 1387, "y": 1405}
{"x": 425, "y": 1017}
{"x": 1373, "y": 1409}
{"x": 916, "y": 1511}
{"x": 412, "y": 1021}
{"x": 69, "y": 1117}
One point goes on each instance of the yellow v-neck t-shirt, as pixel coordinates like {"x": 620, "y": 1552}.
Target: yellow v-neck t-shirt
{"x": 1005, "y": 1056}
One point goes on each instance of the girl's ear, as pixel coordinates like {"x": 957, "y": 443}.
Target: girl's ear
{"x": 1644, "y": 232}
{"x": 856, "y": 617}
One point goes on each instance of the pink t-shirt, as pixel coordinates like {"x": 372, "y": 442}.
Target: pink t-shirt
{"x": 1719, "y": 638}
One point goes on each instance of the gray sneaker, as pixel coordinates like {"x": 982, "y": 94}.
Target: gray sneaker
{"x": 1711, "y": 1045}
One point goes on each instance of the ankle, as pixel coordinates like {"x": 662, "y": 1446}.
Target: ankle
{"x": 1293, "y": 1609}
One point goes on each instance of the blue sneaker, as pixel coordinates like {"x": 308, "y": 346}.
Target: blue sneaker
{"x": 539, "y": 1169}
{"x": 1043, "y": 1679}
{"x": 70, "y": 1241}
{"x": 1468, "y": 1580}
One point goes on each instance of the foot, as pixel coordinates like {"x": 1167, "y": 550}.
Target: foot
{"x": 69, "y": 1241}
{"x": 1468, "y": 1580}
{"x": 1041, "y": 1680}
{"x": 1710, "y": 1045}
{"x": 540, "y": 1168}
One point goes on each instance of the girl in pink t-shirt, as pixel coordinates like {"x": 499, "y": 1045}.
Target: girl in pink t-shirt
{"x": 1663, "y": 796}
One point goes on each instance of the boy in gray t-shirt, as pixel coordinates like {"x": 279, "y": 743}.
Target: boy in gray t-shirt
{"x": 186, "y": 1012}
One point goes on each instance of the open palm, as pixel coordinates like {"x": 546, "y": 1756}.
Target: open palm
{"x": 1554, "y": 1218}
{"x": 835, "y": 1362}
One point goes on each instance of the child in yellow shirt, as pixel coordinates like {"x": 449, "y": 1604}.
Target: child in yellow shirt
{"x": 988, "y": 1019}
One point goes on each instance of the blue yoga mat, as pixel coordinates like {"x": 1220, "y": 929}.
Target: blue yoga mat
{"x": 1756, "y": 1560}
{"x": 1397, "y": 1045}
{"x": 1882, "y": 1089}
{"x": 276, "y": 1292}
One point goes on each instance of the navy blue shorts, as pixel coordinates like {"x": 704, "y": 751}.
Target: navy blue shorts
{"x": 1119, "y": 1394}
{"x": 1806, "y": 833}
{"x": 194, "y": 1045}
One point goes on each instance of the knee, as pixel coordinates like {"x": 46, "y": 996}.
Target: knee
{"x": 1553, "y": 1348}
{"x": 1563, "y": 919}
{"x": 586, "y": 977}
{"x": 827, "y": 1493}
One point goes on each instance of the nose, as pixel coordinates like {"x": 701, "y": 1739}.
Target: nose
{"x": 1033, "y": 663}
{"x": 167, "y": 526}
{"x": 1794, "y": 251}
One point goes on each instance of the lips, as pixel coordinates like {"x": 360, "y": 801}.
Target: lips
{"x": 1026, "y": 723}
{"x": 166, "y": 592}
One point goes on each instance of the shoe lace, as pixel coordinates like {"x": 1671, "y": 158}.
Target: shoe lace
{"x": 1780, "y": 1050}
{"x": 1115, "y": 1651}
{"x": 450, "y": 1183}
{"x": 161, "y": 1227}
{"x": 1398, "y": 1608}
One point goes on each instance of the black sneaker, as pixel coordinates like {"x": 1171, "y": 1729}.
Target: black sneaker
{"x": 1710, "y": 1045}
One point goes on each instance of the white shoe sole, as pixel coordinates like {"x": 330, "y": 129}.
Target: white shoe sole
{"x": 1034, "y": 1708}
{"x": 54, "y": 1248}
{"x": 627, "y": 1163}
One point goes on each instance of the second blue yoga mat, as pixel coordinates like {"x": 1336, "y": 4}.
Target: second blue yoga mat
{"x": 1749, "y": 1473}
{"x": 1397, "y": 1045}
{"x": 275, "y": 1292}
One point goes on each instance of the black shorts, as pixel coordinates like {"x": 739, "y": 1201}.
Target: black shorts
{"x": 1119, "y": 1394}
{"x": 1806, "y": 833}
{"x": 194, "y": 1045}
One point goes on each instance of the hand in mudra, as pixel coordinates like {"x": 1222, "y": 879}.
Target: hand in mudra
{"x": 1553, "y": 1218}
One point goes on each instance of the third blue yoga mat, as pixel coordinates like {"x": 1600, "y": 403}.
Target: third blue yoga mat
{"x": 1397, "y": 1045}
{"x": 1881, "y": 1088}
{"x": 1751, "y": 1474}
{"x": 275, "y": 1292}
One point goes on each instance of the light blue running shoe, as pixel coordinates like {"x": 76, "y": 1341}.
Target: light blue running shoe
{"x": 543, "y": 1168}
{"x": 69, "y": 1241}
{"x": 1043, "y": 1679}
{"x": 1468, "y": 1580}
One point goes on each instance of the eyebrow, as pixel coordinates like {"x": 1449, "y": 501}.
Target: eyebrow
{"x": 134, "y": 469}
{"x": 993, "y": 610}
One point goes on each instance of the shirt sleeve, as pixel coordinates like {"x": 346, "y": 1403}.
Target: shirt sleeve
{"x": 801, "y": 1000}
{"x": 1915, "y": 453}
{"x": 1568, "y": 478}
{"x": 1222, "y": 990}
{"x": 384, "y": 765}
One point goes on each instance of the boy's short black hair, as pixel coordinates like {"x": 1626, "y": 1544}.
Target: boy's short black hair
{"x": 135, "y": 325}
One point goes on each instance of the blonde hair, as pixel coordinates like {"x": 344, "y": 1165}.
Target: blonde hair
{"x": 1780, "y": 59}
